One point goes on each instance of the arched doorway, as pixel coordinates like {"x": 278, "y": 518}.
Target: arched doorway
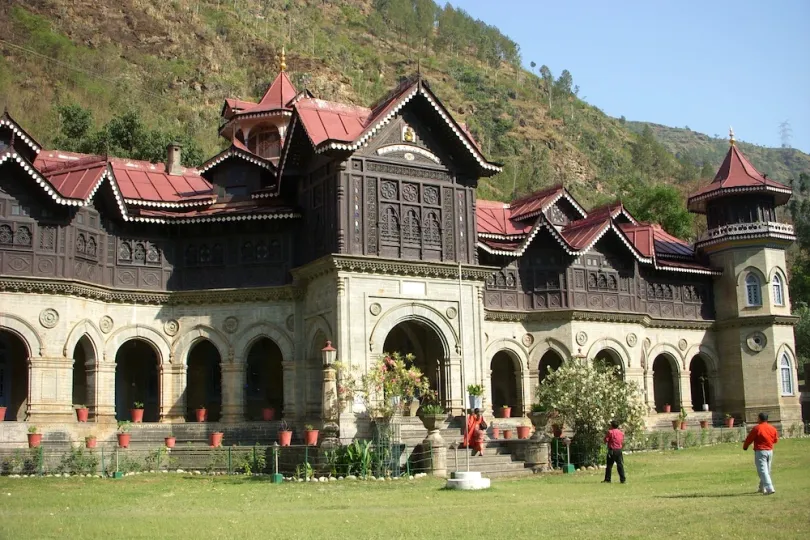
{"x": 265, "y": 379}
{"x": 699, "y": 383}
{"x": 13, "y": 376}
{"x": 417, "y": 338}
{"x": 504, "y": 374}
{"x": 549, "y": 362}
{"x": 136, "y": 380}
{"x": 665, "y": 383}
{"x": 204, "y": 381}
{"x": 609, "y": 359}
{"x": 83, "y": 353}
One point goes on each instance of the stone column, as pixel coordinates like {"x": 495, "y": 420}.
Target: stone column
{"x": 50, "y": 389}
{"x": 455, "y": 394}
{"x": 101, "y": 391}
{"x": 686, "y": 390}
{"x": 532, "y": 381}
{"x": 288, "y": 368}
{"x": 233, "y": 392}
{"x": 172, "y": 393}
{"x": 330, "y": 407}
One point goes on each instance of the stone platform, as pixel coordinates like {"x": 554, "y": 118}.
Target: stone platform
{"x": 466, "y": 481}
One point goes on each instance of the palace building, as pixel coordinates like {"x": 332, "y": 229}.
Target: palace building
{"x": 125, "y": 281}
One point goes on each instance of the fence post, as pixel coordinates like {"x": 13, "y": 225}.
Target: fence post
{"x": 255, "y": 464}
{"x": 41, "y": 459}
{"x": 230, "y": 468}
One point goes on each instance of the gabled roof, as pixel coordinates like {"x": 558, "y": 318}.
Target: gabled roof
{"x": 240, "y": 151}
{"x": 538, "y": 202}
{"x": 495, "y": 218}
{"x": 279, "y": 97}
{"x": 736, "y": 175}
{"x": 7, "y": 121}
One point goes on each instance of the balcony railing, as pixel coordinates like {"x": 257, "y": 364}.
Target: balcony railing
{"x": 781, "y": 230}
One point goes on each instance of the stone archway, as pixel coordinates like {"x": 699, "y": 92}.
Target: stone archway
{"x": 204, "y": 381}
{"x": 83, "y": 354}
{"x": 264, "y": 379}
{"x": 609, "y": 359}
{"x": 13, "y": 376}
{"x": 666, "y": 383}
{"x": 505, "y": 383}
{"x": 136, "y": 379}
{"x": 417, "y": 338}
{"x": 550, "y": 361}
{"x": 700, "y": 383}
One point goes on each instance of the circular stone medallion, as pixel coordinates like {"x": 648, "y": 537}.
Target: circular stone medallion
{"x": 375, "y": 309}
{"x": 682, "y": 344}
{"x": 290, "y": 323}
{"x": 171, "y": 327}
{"x": 451, "y": 313}
{"x": 582, "y": 338}
{"x": 106, "y": 324}
{"x": 230, "y": 324}
{"x": 632, "y": 339}
{"x": 527, "y": 340}
{"x": 756, "y": 341}
{"x": 49, "y": 318}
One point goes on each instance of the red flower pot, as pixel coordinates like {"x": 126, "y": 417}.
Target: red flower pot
{"x": 81, "y": 414}
{"x": 523, "y": 432}
{"x": 683, "y": 425}
{"x": 311, "y": 437}
{"x": 557, "y": 430}
{"x": 676, "y": 424}
{"x": 90, "y": 443}
{"x": 201, "y": 414}
{"x": 137, "y": 415}
{"x": 284, "y": 437}
{"x": 170, "y": 441}
{"x": 496, "y": 432}
{"x": 667, "y": 408}
{"x": 506, "y": 412}
{"x": 704, "y": 424}
{"x": 34, "y": 439}
{"x": 729, "y": 422}
{"x": 123, "y": 440}
{"x": 507, "y": 434}
{"x": 268, "y": 413}
{"x": 2, "y": 413}
{"x": 215, "y": 439}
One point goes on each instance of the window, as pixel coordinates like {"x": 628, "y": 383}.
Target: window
{"x": 265, "y": 142}
{"x": 786, "y": 376}
{"x": 753, "y": 290}
{"x": 778, "y": 296}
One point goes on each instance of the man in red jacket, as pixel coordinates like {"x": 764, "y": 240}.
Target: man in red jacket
{"x": 764, "y": 436}
{"x": 615, "y": 441}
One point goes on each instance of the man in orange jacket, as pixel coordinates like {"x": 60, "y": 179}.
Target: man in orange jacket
{"x": 764, "y": 436}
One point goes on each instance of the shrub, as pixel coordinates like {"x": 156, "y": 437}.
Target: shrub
{"x": 77, "y": 461}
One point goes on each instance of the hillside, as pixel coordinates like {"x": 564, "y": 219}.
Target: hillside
{"x": 173, "y": 63}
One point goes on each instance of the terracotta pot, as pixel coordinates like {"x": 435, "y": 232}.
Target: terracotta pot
{"x": 2, "y": 413}
{"x": 523, "y": 432}
{"x": 91, "y": 443}
{"x": 284, "y": 437}
{"x": 683, "y": 425}
{"x": 123, "y": 440}
{"x": 496, "y": 432}
{"x": 311, "y": 437}
{"x": 507, "y": 434}
{"x": 667, "y": 408}
{"x": 201, "y": 414}
{"x": 170, "y": 441}
{"x": 729, "y": 422}
{"x": 676, "y": 424}
{"x": 557, "y": 429}
{"x": 137, "y": 415}
{"x": 268, "y": 413}
{"x": 81, "y": 414}
{"x": 432, "y": 421}
{"x": 704, "y": 424}
{"x": 506, "y": 412}
{"x": 215, "y": 439}
{"x": 34, "y": 439}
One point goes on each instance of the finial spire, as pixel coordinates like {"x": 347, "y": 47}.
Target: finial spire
{"x": 282, "y": 61}
{"x": 731, "y": 135}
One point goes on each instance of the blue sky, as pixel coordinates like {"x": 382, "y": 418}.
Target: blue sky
{"x": 707, "y": 65}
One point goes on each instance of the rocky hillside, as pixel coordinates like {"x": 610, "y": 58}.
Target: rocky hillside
{"x": 173, "y": 63}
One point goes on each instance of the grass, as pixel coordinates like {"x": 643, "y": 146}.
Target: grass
{"x": 695, "y": 493}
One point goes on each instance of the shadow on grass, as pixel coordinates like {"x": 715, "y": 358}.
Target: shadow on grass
{"x": 707, "y": 495}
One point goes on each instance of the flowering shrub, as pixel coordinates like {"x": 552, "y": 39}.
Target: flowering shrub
{"x": 392, "y": 379}
{"x": 587, "y": 398}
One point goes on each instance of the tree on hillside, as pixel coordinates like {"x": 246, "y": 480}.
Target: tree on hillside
{"x": 799, "y": 208}
{"x": 564, "y": 83}
{"x": 707, "y": 171}
{"x": 662, "y": 204}
{"x": 548, "y": 82}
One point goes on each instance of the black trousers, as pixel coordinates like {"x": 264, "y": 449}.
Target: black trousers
{"x": 614, "y": 456}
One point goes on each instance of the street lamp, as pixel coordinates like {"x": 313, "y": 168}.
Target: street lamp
{"x": 329, "y": 398}
{"x": 328, "y": 354}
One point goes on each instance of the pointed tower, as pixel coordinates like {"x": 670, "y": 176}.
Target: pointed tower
{"x": 754, "y": 326}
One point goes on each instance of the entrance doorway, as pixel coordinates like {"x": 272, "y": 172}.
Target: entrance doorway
{"x": 265, "y": 379}
{"x": 204, "y": 381}
{"x": 417, "y": 338}
{"x": 136, "y": 380}
{"x": 13, "y": 376}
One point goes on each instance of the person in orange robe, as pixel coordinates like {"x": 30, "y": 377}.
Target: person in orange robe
{"x": 475, "y": 434}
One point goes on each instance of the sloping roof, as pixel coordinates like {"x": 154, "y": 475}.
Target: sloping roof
{"x": 244, "y": 210}
{"x": 326, "y": 121}
{"x": 7, "y": 121}
{"x": 495, "y": 218}
{"x": 582, "y": 234}
{"x": 278, "y": 97}
{"x": 737, "y": 175}
{"x": 238, "y": 150}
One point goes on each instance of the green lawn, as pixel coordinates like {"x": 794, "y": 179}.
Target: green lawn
{"x": 695, "y": 493}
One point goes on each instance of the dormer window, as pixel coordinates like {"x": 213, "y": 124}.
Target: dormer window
{"x": 753, "y": 290}
{"x": 265, "y": 142}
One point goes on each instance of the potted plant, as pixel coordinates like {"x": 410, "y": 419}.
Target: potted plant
{"x": 506, "y": 411}
{"x": 507, "y": 433}
{"x": 284, "y": 434}
{"x": 2, "y": 413}
{"x": 496, "y": 432}
{"x": 170, "y": 440}
{"x": 90, "y": 441}
{"x": 703, "y": 380}
{"x": 81, "y": 413}
{"x": 215, "y": 439}
{"x": 729, "y": 420}
{"x": 310, "y": 435}
{"x": 476, "y": 392}
{"x": 34, "y": 438}
{"x": 682, "y": 417}
{"x": 123, "y": 434}
{"x": 667, "y": 407}
{"x": 704, "y": 424}
{"x": 137, "y": 412}
{"x": 201, "y": 413}
{"x": 268, "y": 414}
{"x": 432, "y": 415}
{"x": 523, "y": 431}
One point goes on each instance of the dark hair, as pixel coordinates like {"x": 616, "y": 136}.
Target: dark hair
{"x": 614, "y": 424}
{"x": 477, "y": 410}
{"x": 763, "y": 417}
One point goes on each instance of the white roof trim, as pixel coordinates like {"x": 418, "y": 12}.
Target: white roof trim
{"x": 238, "y": 153}
{"x": 408, "y": 148}
{"x": 562, "y": 194}
{"x": 162, "y": 204}
{"x": 19, "y": 133}
{"x": 263, "y": 195}
{"x": 502, "y": 236}
{"x": 738, "y": 189}
{"x": 187, "y": 221}
{"x": 40, "y": 180}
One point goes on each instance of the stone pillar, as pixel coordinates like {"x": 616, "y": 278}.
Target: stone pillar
{"x": 686, "y": 390}
{"x": 288, "y": 368}
{"x": 233, "y": 392}
{"x": 330, "y": 407}
{"x": 537, "y": 451}
{"x": 436, "y": 449}
{"x": 50, "y": 389}
{"x": 532, "y": 380}
{"x": 455, "y": 394}
{"x": 172, "y": 393}
{"x": 101, "y": 391}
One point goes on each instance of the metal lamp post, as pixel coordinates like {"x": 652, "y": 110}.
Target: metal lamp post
{"x": 329, "y": 398}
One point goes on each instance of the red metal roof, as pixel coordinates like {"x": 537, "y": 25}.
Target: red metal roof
{"x": 278, "y": 95}
{"x": 219, "y": 210}
{"x": 582, "y": 233}
{"x": 641, "y": 236}
{"x": 331, "y": 121}
{"x": 77, "y": 182}
{"x": 494, "y": 217}
{"x": 534, "y": 203}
